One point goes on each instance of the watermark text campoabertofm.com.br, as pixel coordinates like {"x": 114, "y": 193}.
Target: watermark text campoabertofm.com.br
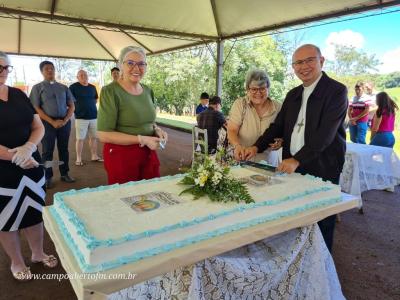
{"x": 85, "y": 276}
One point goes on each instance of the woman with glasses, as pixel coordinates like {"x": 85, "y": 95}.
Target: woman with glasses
{"x": 22, "y": 180}
{"x": 126, "y": 122}
{"x": 251, "y": 115}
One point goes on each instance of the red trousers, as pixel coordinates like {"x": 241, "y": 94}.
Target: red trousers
{"x": 130, "y": 163}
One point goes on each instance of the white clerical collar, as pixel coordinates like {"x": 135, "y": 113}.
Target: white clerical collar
{"x": 312, "y": 86}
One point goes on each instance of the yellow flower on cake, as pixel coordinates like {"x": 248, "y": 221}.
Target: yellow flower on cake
{"x": 203, "y": 180}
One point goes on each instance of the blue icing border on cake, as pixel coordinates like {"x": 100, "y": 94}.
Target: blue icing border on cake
{"x": 70, "y": 241}
{"x": 93, "y": 243}
{"x": 168, "y": 247}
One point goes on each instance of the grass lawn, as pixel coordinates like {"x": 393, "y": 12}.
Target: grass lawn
{"x": 394, "y": 93}
{"x": 186, "y": 119}
{"x": 171, "y": 122}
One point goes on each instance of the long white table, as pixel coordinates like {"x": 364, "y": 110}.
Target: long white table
{"x": 369, "y": 167}
{"x": 162, "y": 264}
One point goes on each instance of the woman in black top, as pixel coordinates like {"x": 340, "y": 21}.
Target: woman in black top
{"x": 22, "y": 180}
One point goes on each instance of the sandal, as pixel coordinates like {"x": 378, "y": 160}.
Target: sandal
{"x": 79, "y": 163}
{"x": 50, "y": 262}
{"x": 24, "y": 275}
{"x": 98, "y": 159}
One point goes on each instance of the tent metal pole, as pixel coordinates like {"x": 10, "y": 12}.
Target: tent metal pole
{"x": 53, "y": 8}
{"x": 19, "y": 34}
{"x": 219, "y": 67}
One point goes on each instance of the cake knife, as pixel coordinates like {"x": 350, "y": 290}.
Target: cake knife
{"x": 258, "y": 166}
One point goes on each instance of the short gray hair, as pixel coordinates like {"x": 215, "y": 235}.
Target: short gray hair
{"x": 127, "y": 50}
{"x": 257, "y": 75}
{"x": 4, "y": 56}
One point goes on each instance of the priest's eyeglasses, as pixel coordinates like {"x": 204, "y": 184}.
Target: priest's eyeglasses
{"x": 308, "y": 61}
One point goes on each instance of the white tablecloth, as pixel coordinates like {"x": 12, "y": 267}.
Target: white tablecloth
{"x": 292, "y": 265}
{"x": 369, "y": 167}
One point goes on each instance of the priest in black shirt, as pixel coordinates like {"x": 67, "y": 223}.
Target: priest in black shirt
{"x": 311, "y": 125}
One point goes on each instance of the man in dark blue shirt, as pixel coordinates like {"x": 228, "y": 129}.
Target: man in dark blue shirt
{"x": 203, "y": 103}
{"x": 212, "y": 119}
{"x": 85, "y": 116}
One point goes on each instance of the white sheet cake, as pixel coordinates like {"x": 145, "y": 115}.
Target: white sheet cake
{"x": 111, "y": 225}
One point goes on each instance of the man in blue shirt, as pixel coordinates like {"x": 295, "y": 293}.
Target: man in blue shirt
{"x": 203, "y": 103}
{"x": 212, "y": 119}
{"x": 85, "y": 116}
{"x": 54, "y": 103}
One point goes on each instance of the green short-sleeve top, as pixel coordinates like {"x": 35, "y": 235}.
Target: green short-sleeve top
{"x": 126, "y": 113}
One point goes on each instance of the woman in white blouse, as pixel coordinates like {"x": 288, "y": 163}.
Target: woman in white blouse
{"x": 251, "y": 115}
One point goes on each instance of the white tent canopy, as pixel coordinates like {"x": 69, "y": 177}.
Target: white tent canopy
{"x": 98, "y": 29}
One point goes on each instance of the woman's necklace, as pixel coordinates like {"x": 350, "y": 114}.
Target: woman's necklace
{"x": 263, "y": 109}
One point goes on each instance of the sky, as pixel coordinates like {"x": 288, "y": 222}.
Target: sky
{"x": 378, "y": 34}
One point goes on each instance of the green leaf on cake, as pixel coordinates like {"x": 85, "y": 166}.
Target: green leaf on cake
{"x": 211, "y": 178}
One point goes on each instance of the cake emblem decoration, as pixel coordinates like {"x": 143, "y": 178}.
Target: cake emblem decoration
{"x": 145, "y": 205}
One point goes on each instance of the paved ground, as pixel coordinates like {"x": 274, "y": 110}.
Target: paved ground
{"x": 366, "y": 248}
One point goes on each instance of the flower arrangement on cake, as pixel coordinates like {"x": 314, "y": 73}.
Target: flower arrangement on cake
{"x": 211, "y": 177}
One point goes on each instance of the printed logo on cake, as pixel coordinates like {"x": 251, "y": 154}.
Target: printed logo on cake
{"x": 150, "y": 201}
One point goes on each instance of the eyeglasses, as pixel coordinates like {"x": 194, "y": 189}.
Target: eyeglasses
{"x": 131, "y": 64}
{"x": 254, "y": 90}
{"x": 7, "y": 68}
{"x": 308, "y": 61}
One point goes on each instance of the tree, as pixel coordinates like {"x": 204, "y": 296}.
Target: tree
{"x": 390, "y": 80}
{"x": 91, "y": 67}
{"x": 178, "y": 79}
{"x": 98, "y": 71}
{"x": 350, "y": 61}
{"x": 66, "y": 69}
